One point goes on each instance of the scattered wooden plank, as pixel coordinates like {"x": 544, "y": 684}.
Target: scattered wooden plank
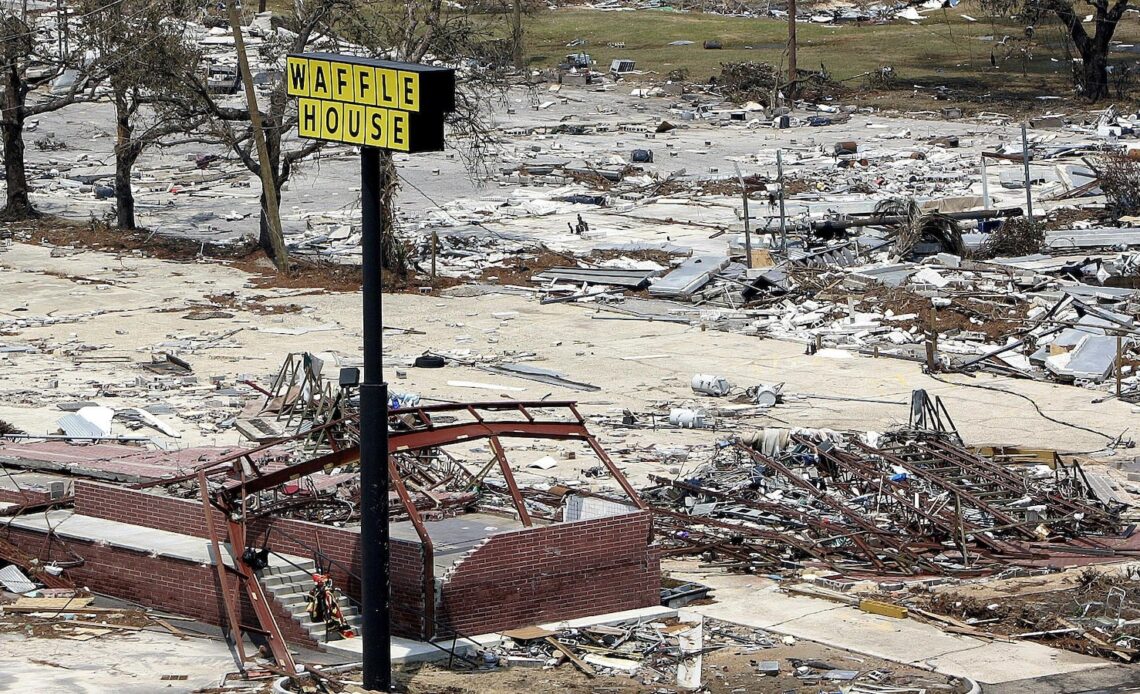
{"x": 885, "y": 609}
{"x": 528, "y": 633}
{"x": 578, "y": 662}
{"x": 822, "y": 593}
{"x": 171, "y": 628}
{"x": 945, "y": 619}
{"x": 985, "y": 635}
{"x": 16, "y": 609}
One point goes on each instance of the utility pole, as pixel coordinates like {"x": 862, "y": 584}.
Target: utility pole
{"x": 747, "y": 234}
{"x": 1119, "y": 362}
{"x": 268, "y": 186}
{"x": 1028, "y": 180}
{"x": 783, "y": 216}
{"x": 791, "y": 44}
{"x": 434, "y": 251}
{"x": 985, "y": 185}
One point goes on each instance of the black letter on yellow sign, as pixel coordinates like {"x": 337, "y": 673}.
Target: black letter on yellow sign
{"x": 342, "y": 82}
{"x": 310, "y": 125}
{"x": 365, "y": 78}
{"x": 332, "y": 121}
{"x": 354, "y": 124}
{"x": 388, "y": 92}
{"x": 398, "y": 131}
{"x": 409, "y": 91}
{"x": 377, "y": 135}
{"x": 319, "y": 69}
{"x": 298, "y": 84}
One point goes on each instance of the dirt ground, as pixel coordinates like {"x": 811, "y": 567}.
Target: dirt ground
{"x": 303, "y": 273}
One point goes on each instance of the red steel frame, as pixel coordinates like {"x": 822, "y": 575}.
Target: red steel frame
{"x": 514, "y": 420}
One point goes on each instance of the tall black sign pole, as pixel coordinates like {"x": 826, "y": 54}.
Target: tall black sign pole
{"x": 376, "y": 105}
{"x": 376, "y": 588}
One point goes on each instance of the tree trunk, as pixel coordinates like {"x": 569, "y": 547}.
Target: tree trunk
{"x": 125, "y": 158}
{"x": 1093, "y": 75}
{"x": 1095, "y": 71}
{"x": 17, "y": 206}
{"x": 14, "y": 46}
{"x": 127, "y": 152}
{"x": 517, "y": 36}
{"x": 395, "y": 254}
{"x": 264, "y": 236}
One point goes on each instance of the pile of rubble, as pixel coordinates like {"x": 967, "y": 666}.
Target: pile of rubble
{"x": 673, "y": 652}
{"x": 1096, "y": 615}
{"x": 1036, "y": 316}
{"x": 913, "y": 502}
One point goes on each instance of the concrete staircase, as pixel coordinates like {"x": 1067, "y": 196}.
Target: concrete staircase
{"x": 290, "y": 586}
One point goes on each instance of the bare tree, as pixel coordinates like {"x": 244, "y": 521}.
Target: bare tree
{"x": 29, "y": 61}
{"x": 418, "y": 31}
{"x": 230, "y": 124}
{"x": 145, "y": 54}
{"x": 412, "y": 31}
{"x": 1092, "y": 75}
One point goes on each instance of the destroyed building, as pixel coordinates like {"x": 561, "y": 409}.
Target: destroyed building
{"x": 459, "y": 566}
{"x": 649, "y": 397}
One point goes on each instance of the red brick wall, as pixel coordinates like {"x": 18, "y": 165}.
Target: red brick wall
{"x": 342, "y": 545}
{"x": 407, "y": 574}
{"x": 172, "y": 585}
{"x": 518, "y": 578}
{"x": 25, "y": 496}
{"x": 553, "y": 573}
{"x": 185, "y": 516}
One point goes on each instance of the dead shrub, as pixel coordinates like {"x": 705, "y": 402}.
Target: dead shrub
{"x": 1120, "y": 181}
{"x": 1015, "y": 237}
{"x": 748, "y": 81}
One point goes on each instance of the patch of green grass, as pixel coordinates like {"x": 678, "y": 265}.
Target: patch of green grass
{"x": 944, "y": 49}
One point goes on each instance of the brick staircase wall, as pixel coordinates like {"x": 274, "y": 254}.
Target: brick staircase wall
{"x": 164, "y": 583}
{"x": 185, "y": 516}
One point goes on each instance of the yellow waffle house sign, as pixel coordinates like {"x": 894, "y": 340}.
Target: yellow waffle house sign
{"x": 372, "y": 103}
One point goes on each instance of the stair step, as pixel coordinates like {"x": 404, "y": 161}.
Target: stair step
{"x": 354, "y": 617}
{"x": 288, "y": 590}
{"x": 301, "y": 612}
{"x": 302, "y": 597}
{"x": 307, "y": 566}
{"x": 355, "y": 622}
{"x": 278, "y": 579}
{"x": 317, "y": 631}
